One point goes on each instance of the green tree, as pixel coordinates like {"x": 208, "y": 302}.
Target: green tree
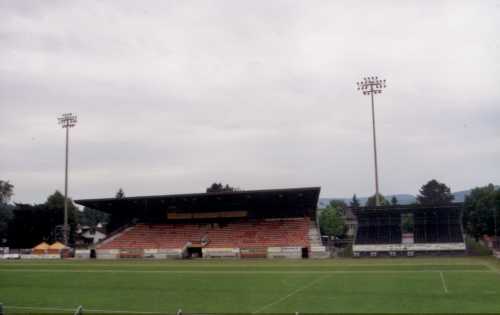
{"x": 407, "y": 222}
{"x": 372, "y": 203}
{"x": 219, "y": 187}
{"x": 6, "y": 215}
{"x": 394, "y": 201}
{"x": 355, "y": 201}
{"x": 331, "y": 222}
{"x": 435, "y": 193}
{"x": 120, "y": 194}
{"x": 32, "y": 224}
{"x": 92, "y": 217}
{"x": 27, "y": 226}
{"x": 481, "y": 208}
{"x": 55, "y": 204}
{"x": 6, "y": 191}
{"x": 338, "y": 204}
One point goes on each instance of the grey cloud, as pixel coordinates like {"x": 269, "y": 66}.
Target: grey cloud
{"x": 172, "y": 96}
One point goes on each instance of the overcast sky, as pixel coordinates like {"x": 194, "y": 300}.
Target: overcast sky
{"x": 174, "y": 95}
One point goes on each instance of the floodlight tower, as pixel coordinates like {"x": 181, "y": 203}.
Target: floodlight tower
{"x": 66, "y": 121}
{"x": 371, "y": 86}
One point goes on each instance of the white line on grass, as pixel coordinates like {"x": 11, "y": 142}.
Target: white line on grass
{"x": 492, "y": 268}
{"x": 310, "y": 284}
{"x": 60, "y": 309}
{"x": 445, "y": 288}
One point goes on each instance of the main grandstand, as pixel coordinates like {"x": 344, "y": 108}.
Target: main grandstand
{"x": 277, "y": 223}
{"x": 409, "y": 230}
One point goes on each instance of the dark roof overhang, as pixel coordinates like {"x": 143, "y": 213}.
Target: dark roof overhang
{"x": 305, "y": 198}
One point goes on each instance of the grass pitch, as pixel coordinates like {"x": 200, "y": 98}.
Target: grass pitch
{"x": 418, "y": 285}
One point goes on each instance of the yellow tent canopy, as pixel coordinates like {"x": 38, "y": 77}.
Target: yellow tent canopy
{"x": 57, "y": 245}
{"x": 41, "y": 246}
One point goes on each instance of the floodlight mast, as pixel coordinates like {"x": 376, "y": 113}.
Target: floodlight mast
{"x": 371, "y": 86}
{"x": 66, "y": 121}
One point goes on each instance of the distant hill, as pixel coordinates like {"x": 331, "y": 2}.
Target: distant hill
{"x": 403, "y": 199}
{"x": 460, "y": 195}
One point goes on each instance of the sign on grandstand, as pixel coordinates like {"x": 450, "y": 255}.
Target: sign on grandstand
{"x": 206, "y": 215}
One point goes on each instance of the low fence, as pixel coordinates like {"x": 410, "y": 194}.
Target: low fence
{"x": 27, "y": 253}
{"x": 81, "y": 310}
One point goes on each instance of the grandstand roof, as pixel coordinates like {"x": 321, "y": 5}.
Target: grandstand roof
{"x": 298, "y": 200}
{"x": 406, "y": 208}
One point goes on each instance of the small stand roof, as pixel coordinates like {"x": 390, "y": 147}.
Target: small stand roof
{"x": 57, "y": 245}
{"x": 42, "y": 246}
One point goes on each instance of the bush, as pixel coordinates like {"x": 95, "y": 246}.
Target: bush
{"x": 331, "y": 222}
{"x": 346, "y": 252}
{"x": 476, "y": 248}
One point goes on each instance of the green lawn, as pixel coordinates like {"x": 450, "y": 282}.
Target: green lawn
{"x": 429, "y": 285}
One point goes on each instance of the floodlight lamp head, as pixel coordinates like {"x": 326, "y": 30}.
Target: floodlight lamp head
{"x": 67, "y": 120}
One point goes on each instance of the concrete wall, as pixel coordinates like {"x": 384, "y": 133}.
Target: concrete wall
{"x": 82, "y": 253}
{"x": 221, "y": 252}
{"x": 318, "y": 252}
{"x": 107, "y": 253}
{"x": 284, "y": 252}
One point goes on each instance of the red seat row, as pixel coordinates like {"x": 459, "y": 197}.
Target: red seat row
{"x": 239, "y": 234}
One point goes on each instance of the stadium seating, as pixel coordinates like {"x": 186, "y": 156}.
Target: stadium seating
{"x": 380, "y": 229}
{"x": 435, "y": 227}
{"x": 429, "y": 227}
{"x": 245, "y": 234}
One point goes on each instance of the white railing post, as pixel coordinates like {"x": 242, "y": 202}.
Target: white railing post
{"x": 79, "y": 310}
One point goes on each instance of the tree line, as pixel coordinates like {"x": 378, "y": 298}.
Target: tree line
{"x": 24, "y": 225}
